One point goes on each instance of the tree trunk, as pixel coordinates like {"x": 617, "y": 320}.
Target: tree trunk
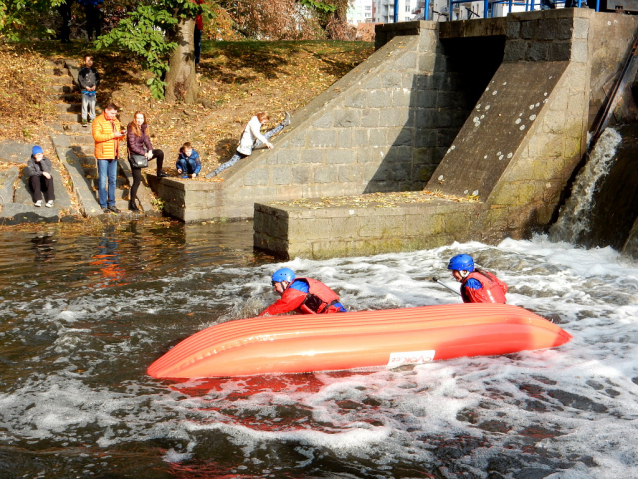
{"x": 181, "y": 78}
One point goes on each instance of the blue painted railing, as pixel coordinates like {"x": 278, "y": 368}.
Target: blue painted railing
{"x": 488, "y": 6}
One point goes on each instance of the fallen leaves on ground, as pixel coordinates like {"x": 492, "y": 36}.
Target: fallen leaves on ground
{"x": 374, "y": 200}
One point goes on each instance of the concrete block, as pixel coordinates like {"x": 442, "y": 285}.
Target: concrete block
{"x": 311, "y": 156}
{"x": 281, "y": 176}
{"x": 304, "y": 231}
{"x": 553, "y": 122}
{"x": 347, "y": 118}
{"x": 581, "y": 28}
{"x": 394, "y": 117}
{"x": 345, "y": 227}
{"x": 7, "y": 180}
{"x": 515, "y": 50}
{"x": 426, "y": 99}
{"x": 513, "y": 30}
{"x": 257, "y": 176}
{"x": 565, "y": 29}
{"x": 350, "y": 174}
{"x": 428, "y": 62}
{"x": 300, "y": 175}
{"x": 390, "y": 79}
{"x": 370, "y": 118}
{"x": 426, "y": 138}
{"x": 339, "y": 157}
{"x": 548, "y": 29}
{"x": 344, "y": 138}
{"x": 325, "y": 174}
{"x": 579, "y": 51}
{"x": 538, "y": 52}
{"x": 323, "y": 139}
{"x": 324, "y": 121}
{"x": 528, "y": 30}
{"x": 356, "y": 100}
{"x": 428, "y": 42}
{"x": 379, "y": 99}
{"x": 407, "y": 61}
{"x": 404, "y": 98}
{"x": 423, "y": 224}
{"x": 399, "y": 136}
{"x": 361, "y": 137}
{"x": 377, "y": 137}
{"x": 560, "y": 51}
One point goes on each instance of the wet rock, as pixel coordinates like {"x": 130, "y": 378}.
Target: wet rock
{"x": 576, "y": 401}
{"x": 7, "y": 180}
{"x": 15, "y": 213}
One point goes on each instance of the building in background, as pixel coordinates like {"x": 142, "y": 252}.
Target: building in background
{"x": 384, "y": 11}
{"x": 360, "y": 11}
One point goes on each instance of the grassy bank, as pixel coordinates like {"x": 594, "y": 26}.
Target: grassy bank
{"x": 236, "y": 80}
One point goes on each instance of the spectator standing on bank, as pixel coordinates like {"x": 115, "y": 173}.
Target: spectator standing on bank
{"x": 39, "y": 169}
{"x": 89, "y": 79}
{"x": 65, "y": 13}
{"x": 199, "y": 27}
{"x": 107, "y": 133}
{"x": 139, "y": 143}
{"x": 92, "y": 12}
{"x": 188, "y": 162}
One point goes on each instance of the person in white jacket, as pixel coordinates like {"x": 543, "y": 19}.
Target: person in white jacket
{"x": 252, "y": 138}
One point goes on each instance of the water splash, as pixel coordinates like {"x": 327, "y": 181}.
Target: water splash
{"x": 574, "y": 216}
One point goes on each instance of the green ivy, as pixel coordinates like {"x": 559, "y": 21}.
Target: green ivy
{"x": 319, "y": 5}
{"x": 143, "y": 34}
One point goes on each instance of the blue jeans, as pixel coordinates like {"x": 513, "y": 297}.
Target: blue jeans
{"x": 187, "y": 166}
{"x": 106, "y": 168}
{"x": 240, "y": 156}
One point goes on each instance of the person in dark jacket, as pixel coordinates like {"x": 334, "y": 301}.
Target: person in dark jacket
{"x": 65, "y": 13}
{"x": 92, "y": 12}
{"x": 89, "y": 79}
{"x": 188, "y": 162}
{"x": 139, "y": 143}
{"x": 39, "y": 170}
{"x": 302, "y": 295}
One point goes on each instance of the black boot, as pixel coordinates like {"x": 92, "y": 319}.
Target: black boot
{"x": 132, "y": 206}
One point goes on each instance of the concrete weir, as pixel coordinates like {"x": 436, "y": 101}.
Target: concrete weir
{"x": 482, "y": 121}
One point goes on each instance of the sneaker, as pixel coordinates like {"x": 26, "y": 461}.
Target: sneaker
{"x": 106, "y": 211}
{"x": 185, "y": 176}
{"x": 161, "y": 174}
{"x": 85, "y": 123}
{"x": 286, "y": 121}
{"x": 38, "y": 203}
{"x": 49, "y": 204}
{"x": 113, "y": 208}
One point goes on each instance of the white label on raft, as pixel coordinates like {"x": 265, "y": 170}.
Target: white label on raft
{"x": 411, "y": 357}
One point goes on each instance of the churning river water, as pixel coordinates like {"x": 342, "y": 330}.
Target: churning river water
{"x": 81, "y": 318}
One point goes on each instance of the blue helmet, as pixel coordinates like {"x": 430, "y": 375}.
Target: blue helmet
{"x": 283, "y": 274}
{"x": 461, "y": 262}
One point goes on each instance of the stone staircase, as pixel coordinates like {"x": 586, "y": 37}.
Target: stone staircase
{"x": 74, "y": 146}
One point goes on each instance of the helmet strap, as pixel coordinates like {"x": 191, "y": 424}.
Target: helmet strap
{"x": 464, "y": 273}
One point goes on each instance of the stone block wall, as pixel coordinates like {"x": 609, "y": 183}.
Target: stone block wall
{"x": 288, "y": 230}
{"x": 383, "y": 127}
{"x": 516, "y": 152}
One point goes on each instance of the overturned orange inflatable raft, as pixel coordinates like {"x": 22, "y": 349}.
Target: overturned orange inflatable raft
{"x": 366, "y": 339}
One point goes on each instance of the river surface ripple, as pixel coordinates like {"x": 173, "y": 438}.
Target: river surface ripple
{"x": 83, "y": 315}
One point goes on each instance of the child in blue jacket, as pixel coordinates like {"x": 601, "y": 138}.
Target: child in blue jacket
{"x": 188, "y": 162}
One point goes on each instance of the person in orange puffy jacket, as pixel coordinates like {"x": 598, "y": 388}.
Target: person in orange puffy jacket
{"x": 303, "y": 295}
{"x": 477, "y": 286}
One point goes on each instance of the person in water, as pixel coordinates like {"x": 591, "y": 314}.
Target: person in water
{"x": 477, "y": 286}
{"x": 252, "y": 138}
{"x": 303, "y": 295}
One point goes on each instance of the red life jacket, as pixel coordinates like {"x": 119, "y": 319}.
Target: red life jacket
{"x": 319, "y": 299}
{"x": 493, "y": 290}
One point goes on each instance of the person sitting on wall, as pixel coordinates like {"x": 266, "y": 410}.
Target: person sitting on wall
{"x": 477, "y": 286}
{"x": 39, "y": 169}
{"x": 252, "y": 138}
{"x": 188, "y": 162}
{"x": 302, "y": 295}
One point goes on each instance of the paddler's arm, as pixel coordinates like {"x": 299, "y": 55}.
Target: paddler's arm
{"x": 290, "y": 300}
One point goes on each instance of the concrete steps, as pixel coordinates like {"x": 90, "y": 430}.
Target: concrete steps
{"x": 74, "y": 145}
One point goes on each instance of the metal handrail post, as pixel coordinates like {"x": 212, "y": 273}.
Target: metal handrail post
{"x": 427, "y": 10}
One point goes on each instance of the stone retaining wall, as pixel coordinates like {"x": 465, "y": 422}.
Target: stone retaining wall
{"x": 383, "y": 127}
{"x": 515, "y": 153}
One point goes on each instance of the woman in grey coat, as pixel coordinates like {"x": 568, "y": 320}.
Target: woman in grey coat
{"x": 39, "y": 170}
